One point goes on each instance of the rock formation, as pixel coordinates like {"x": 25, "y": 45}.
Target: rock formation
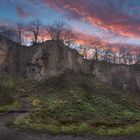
{"x": 52, "y": 58}
{"x": 119, "y": 75}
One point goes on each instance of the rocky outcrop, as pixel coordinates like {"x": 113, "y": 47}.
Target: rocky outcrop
{"x": 52, "y": 58}
{"x": 14, "y": 58}
{"x": 121, "y": 76}
{"x": 41, "y": 61}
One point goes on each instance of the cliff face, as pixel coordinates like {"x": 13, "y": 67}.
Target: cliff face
{"x": 121, "y": 76}
{"x": 41, "y": 61}
{"x": 7, "y": 53}
{"x": 14, "y": 58}
{"x": 53, "y": 58}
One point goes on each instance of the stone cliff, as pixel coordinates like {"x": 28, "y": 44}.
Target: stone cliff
{"x": 52, "y": 58}
{"x": 121, "y": 76}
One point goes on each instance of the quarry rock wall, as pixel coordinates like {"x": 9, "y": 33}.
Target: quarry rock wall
{"x": 121, "y": 76}
{"x": 52, "y": 58}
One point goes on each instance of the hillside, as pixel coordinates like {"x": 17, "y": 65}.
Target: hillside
{"x": 74, "y": 104}
{"x": 53, "y": 89}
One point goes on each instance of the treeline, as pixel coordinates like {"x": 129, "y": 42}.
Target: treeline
{"x": 35, "y": 32}
{"x": 105, "y": 52}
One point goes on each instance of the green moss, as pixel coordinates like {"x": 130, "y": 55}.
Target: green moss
{"x": 5, "y": 108}
{"x": 79, "y": 115}
{"x": 79, "y": 104}
{"x": 127, "y": 130}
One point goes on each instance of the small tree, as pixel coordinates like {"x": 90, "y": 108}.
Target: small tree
{"x": 137, "y": 53}
{"x": 123, "y": 55}
{"x": 60, "y": 31}
{"x": 34, "y": 28}
{"x": 114, "y": 56}
{"x": 108, "y": 53}
{"x": 83, "y": 51}
{"x": 19, "y": 32}
{"x": 129, "y": 56}
{"x": 97, "y": 45}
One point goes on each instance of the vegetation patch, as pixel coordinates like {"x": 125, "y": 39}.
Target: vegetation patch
{"x": 10, "y": 90}
{"x": 78, "y": 104}
{"x": 8, "y": 107}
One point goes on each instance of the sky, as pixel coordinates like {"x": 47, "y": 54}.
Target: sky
{"x": 116, "y": 21}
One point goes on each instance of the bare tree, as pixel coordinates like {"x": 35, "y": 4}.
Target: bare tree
{"x": 129, "y": 56}
{"x": 137, "y": 53}
{"x": 83, "y": 49}
{"x": 68, "y": 37}
{"x": 60, "y": 31}
{"x": 108, "y": 54}
{"x": 19, "y": 32}
{"x": 123, "y": 55}
{"x": 114, "y": 56}
{"x": 97, "y": 45}
{"x": 34, "y": 28}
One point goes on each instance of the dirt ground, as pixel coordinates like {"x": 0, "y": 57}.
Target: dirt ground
{"x": 14, "y": 134}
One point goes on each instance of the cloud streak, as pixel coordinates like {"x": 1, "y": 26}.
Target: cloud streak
{"x": 98, "y": 13}
{"x": 22, "y": 13}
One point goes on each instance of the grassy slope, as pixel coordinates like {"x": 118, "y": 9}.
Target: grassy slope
{"x": 79, "y": 104}
{"x": 11, "y": 88}
{"x": 7, "y": 100}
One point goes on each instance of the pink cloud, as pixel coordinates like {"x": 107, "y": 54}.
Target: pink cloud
{"x": 95, "y": 13}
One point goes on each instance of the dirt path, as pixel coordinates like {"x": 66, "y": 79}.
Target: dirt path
{"x": 13, "y": 134}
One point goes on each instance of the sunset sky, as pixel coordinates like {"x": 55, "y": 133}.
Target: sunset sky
{"x": 117, "y": 21}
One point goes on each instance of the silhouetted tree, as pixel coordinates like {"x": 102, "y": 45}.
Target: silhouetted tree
{"x": 129, "y": 56}
{"x": 34, "y": 28}
{"x": 137, "y": 53}
{"x": 19, "y": 32}
{"x": 97, "y": 46}
{"x": 60, "y": 31}
{"x": 108, "y": 54}
{"x": 123, "y": 55}
{"x": 114, "y": 56}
